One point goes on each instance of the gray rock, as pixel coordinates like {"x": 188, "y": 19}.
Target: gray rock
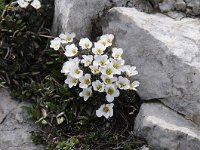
{"x": 166, "y": 53}
{"x": 164, "y": 128}
{"x": 189, "y": 7}
{"x": 176, "y": 15}
{"x": 180, "y": 5}
{"x": 80, "y": 16}
{"x": 15, "y": 130}
{"x": 194, "y": 5}
{"x": 167, "y": 5}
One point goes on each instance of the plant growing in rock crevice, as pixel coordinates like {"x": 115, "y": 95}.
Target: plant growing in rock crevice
{"x": 96, "y": 69}
{"x": 32, "y": 71}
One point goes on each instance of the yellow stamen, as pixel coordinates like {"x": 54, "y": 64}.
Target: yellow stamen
{"x": 106, "y": 109}
{"x": 110, "y": 91}
{"x": 68, "y": 38}
{"x": 87, "y": 81}
{"x": 77, "y": 71}
{"x": 108, "y": 71}
{"x": 108, "y": 81}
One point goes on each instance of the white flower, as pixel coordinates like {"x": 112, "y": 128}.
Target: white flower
{"x": 86, "y": 93}
{"x": 55, "y": 44}
{"x": 76, "y": 72}
{"x": 95, "y": 69}
{"x": 98, "y": 86}
{"x": 75, "y": 60}
{"x": 36, "y": 4}
{"x": 108, "y": 37}
{"x": 108, "y": 70}
{"x": 108, "y": 80}
{"x": 87, "y": 60}
{"x": 22, "y": 3}
{"x": 68, "y": 65}
{"x": 85, "y": 43}
{"x": 117, "y": 53}
{"x": 101, "y": 60}
{"x": 105, "y": 110}
{"x": 98, "y": 48}
{"x": 133, "y": 85}
{"x": 118, "y": 65}
{"x": 123, "y": 83}
{"x": 71, "y": 81}
{"x": 67, "y": 37}
{"x": 130, "y": 71}
{"x": 112, "y": 92}
{"x": 85, "y": 81}
{"x": 71, "y": 50}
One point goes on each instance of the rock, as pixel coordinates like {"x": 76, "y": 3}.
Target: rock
{"x": 4, "y": 103}
{"x": 194, "y": 5}
{"x": 188, "y": 7}
{"x": 166, "y": 53}
{"x": 164, "y": 128}
{"x": 176, "y": 15}
{"x": 166, "y": 5}
{"x": 180, "y": 5}
{"x": 15, "y": 131}
{"x": 81, "y": 16}
{"x": 141, "y": 5}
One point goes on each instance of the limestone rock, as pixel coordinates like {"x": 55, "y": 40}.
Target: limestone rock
{"x": 167, "y": 5}
{"x": 176, "y": 15}
{"x": 15, "y": 131}
{"x": 79, "y": 16}
{"x": 189, "y": 7}
{"x": 164, "y": 128}
{"x": 166, "y": 53}
{"x": 180, "y": 5}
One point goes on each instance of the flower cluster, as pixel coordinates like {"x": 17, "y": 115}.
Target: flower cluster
{"x": 95, "y": 67}
{"x": 25, "y": 3}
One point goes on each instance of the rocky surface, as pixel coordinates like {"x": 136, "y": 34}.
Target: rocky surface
{"x": 166, "y": 53}
{"x": 15, "y": 131}
{"x": 187, "y": 7}
{"x": 162, "y": 127}
{"x": 81, "y": 16}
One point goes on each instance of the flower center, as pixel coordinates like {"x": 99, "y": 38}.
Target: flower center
{"x": 96, "y": 71}
{"x": 106, "y": 109}
{"x": 86, "y": 45}
{"x": 87, "y": 81}
{"x": 88, "y": 93}
{"x": 109, "y": 40}
{"x": 117, "y": 55}
{"x": 108, "y": 71}
{"x": 74, "y": 51}
{"x": 99, "y": 87}
{"x": 121, "y": 84}
{"x": 99, "y": 51}
{"x": 104, "y": 43}
{"x": 74, "y": 81}
{"x": 107, "y": 80}
{"x": 88, "y": 62}
{"x": 116, "y": 66}
{"x": 57, "y": 46}
{"x": 68, "y": 38}
{"x": 110, "y": 91}
{"x": 77, "y": 71}
{"x": 102, "y": 62}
